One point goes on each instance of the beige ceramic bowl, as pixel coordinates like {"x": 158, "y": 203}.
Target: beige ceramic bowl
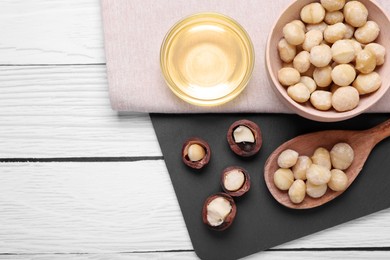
{"x": 273, "y": 62}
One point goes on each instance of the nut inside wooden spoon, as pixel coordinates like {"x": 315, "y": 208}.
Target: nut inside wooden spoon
{"x": 362, "y": 142}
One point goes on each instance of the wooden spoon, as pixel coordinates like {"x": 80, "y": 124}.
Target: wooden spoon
{"x": 362, "y": 142}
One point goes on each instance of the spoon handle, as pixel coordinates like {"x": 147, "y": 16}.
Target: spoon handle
{"x": 380, "y": 132}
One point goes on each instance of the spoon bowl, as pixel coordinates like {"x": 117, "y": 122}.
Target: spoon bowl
{"x": 362, "y": 142}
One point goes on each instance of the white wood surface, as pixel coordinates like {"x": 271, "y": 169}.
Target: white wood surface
{"x": 54, "y": 104}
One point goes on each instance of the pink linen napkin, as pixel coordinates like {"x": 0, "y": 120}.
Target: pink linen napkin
{"x": 135, "y": 29}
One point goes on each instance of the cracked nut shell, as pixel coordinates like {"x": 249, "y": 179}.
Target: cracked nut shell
{"x": 198, "y": 164}
{"x": 245, "y": 149}
{"x": 228, "y": 219}
{"x": 235, "y": 181}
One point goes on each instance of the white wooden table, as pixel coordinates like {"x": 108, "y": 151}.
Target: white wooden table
{"x": 79, "y": 181}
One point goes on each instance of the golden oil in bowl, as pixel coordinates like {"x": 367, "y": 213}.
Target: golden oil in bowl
{"x": 207, "y": 59}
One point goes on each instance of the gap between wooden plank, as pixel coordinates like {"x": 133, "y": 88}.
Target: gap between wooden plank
{"x": 83, "y": 159}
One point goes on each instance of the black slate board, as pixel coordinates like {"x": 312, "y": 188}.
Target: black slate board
{"x": 261, "y": 222}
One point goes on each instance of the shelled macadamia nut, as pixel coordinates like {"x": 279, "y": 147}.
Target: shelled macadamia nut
{"x": 287, "y": 51}
{"x": 322, "y": 100}
{"x": 313, "y": 13}
{"x": 357, "y": 46}
{"x": 321, "y": 55}
{"x": 316, "y": 191}
{"x": 367, "y": 33}
{"x": 318, "y": 174}
{"x": 302, "y": 61}
{"x": 333, "y": 5}
{"x": 323, "y": 76}
{"x": 297, "y": 191}
{"x": 321, "y": 156}
{"x": 343, "y": 74}
{"x": 244, "y": 138}
{"x": 365, "y": 61}
{"x": 313, "y": 38}
{"x": 309, "y": 83}
{"x": 293, "y": 34}
{"x": 299, "y": 92}
{"x": 335, "y": 32}
{"x": 317, "y": 26}
{"x": 288, "y": 76}
{"x": 355, "y": 13}
{"x": 343, "y": 51}
{"x": 367, "y": 83}
{"x": 288, "y": 158}
{"x": 345, "y": 99}
{"x": 350, "y": 31}
{"x": 300, "y": 24}
{"x": 196, "y": 153}
{"x": 299, "y": 169}
{"x": 342, "y": 156}
{"x": 338, "y": 180}
{"x": 334, "y": 17}
{"x": 235, "y": 181}
{"x": 283, "y": 178}
{"x": 219, "y": 211}
{"x": 378, "y": 50}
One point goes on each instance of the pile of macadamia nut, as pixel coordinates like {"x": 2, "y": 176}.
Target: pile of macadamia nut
{"x": 301, "y": 175}
{"x": 330, "y": 56}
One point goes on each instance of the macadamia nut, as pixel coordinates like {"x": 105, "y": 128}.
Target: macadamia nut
{"x": 367, "y": 33}
{"x": 300, "y": 24}
{"x": 367, "y": 83}
{"x": 297, "y": 191}
{"x": 334, "y": 17}
{"x": 309, "y": 83}
{"x": 318, "y": 175}
{"x": 313, "y": 38}
{"x": 350, "y": 31}
{"x": 341, "y": 156}
{"x": 357, "y": 46}
{"x": 343, "y": 74}
{"x": 365, "y": 61}
{"x": 302, "y": 61}
{"x": 196, "y": 152}
{"x": 333, "y": 5}
{"x": 316, "y": 191}
{"x": 323, "y": 76}
{"x": 322, "y": 100}
{"x": 217, "y": 211}
{"x": 338, "y": 180}
{"x": 288, "y": 76}
{"x": 287, "y": 158}
{"x": 378, "y": 50}
{"x": 293, "y": 34}
{"x": 345, "y": 99}
{"x": 283, "y": 179}
{"x": 335, "y": 32}
{"x": 321, "y": 157}
{"x": 343, "y": 51}
{"x": 234, "y": 180}
{"x": 299, "y": 92}
{"x": 313, "y": 13}
{"x": 321, "y": 55}
{"x": 355, "y": 13}
{"x": 287, "y": 51}
{"x": 299, "y": 169}
{"x": 243, "y": 134}
{"x": 318, "y": 26}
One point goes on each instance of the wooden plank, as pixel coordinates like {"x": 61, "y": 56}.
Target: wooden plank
{"x": 51, "y": 32}
{"x": 64, "y": 111}
{"x": 109, "y": 207}
{"x": 289, "y": 255}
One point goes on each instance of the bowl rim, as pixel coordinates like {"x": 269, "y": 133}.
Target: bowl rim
{"x": 310, "y": 112}
{"x": 244, "y": 37}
